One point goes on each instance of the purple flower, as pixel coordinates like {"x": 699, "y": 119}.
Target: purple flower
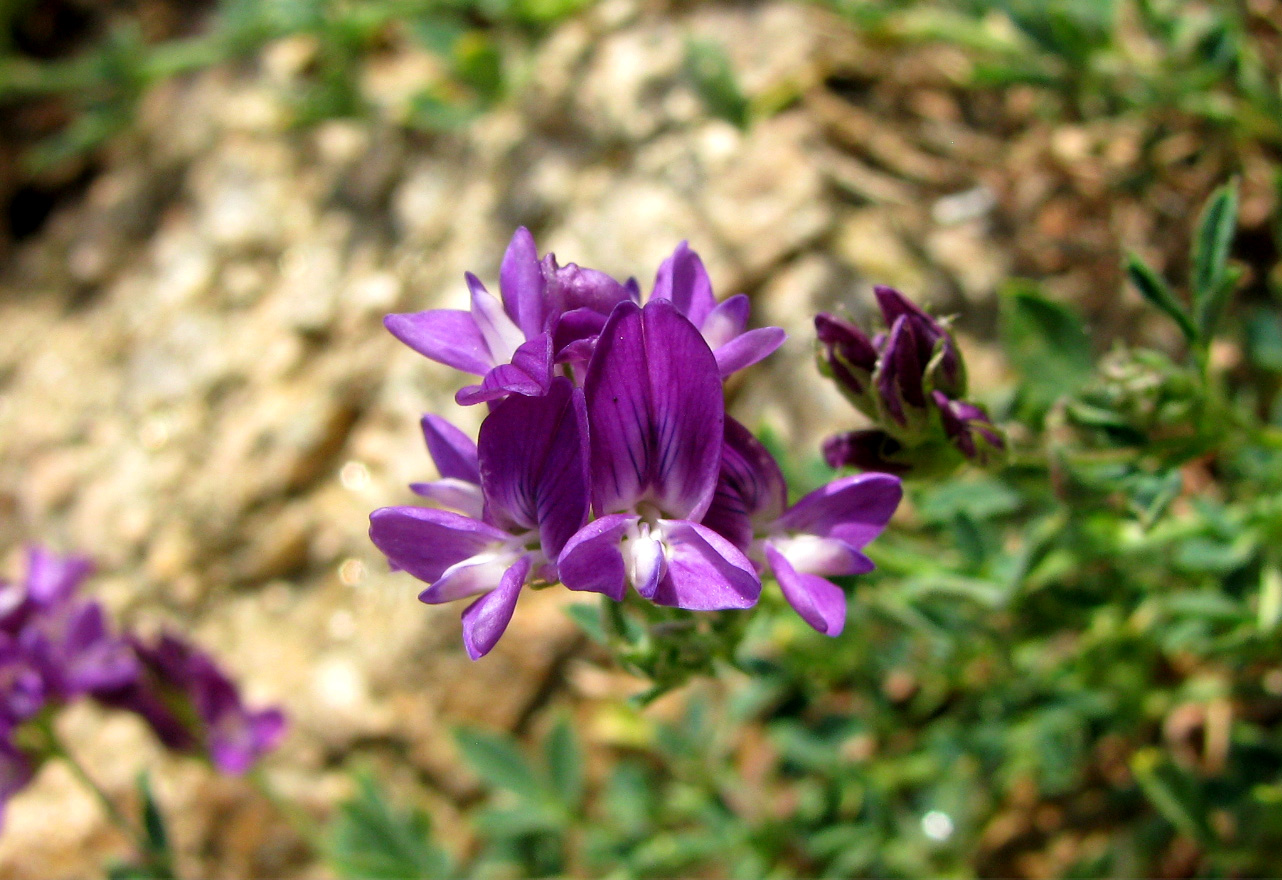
{"x": 970, "y": 429}
{"x": 22, "y": 689}
{"x": 684, "y": 282}
{"x": 820, "y": 536}
{"x": 513, "y": 343}
{"x": 654, "y": 400}
{"x": 454, "y": 455}
{"x": 192, "y": 706}
{"x": 532, "y": 465}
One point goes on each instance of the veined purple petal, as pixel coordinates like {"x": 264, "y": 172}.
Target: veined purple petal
{"x": 447, "y": 336}
{"x": 748, "y": 349}
{"x": 485, "y": 620}
{"x": 726, "y": 321}
{"x": 452, "y": 451}
{"x": 521, "y": 283}
{"x": 821, "y": 603}
{"x": 457, "y": 495}
{"x": 534, "y": 464}
{"x": 750, "y": 488}
{"x": 52, "y": 579}
{"x": 683, "y": 280}
{"x": 655, "y": 404}
{"x": 425, "y": 542}
{"x": 852, "y": 509}
{"x": 705, "y": 572}
{"x": 529, "y": 375}
{"x": 592, "y": 560}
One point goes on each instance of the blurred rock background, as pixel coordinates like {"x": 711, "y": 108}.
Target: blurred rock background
{"x": 196, "y": 388}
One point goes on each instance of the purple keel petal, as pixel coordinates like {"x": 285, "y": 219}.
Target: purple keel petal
{"x": 705, "y": 572}
{"x": 452, "y": 451}
{"x": 485, "y": 619}
{"x": 521, "y": 283}
{"x": 478, "y": 574}
{"x": 821, "y": 603}
{"x": 748, "y": 349}
{"x": 591, "y": 560}
{"x": 426, "y": 542}
{"x": 534, "y": 464}
{"x": 851, "y": 509}
{"x": 683, "y": 280}
{"x": 447, "y": 336}
{"x": 655, "y": 404}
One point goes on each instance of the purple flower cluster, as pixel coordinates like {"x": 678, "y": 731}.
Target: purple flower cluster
{"x": 910, "y": 380}
{"x": 607, "y": 459}
{"x": 56, "y": 646}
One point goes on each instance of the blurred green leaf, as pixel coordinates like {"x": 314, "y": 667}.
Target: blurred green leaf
{"x": 1047, "y": 343}
{"x": 708, "y": 68}
{"x": 1212, "y": 282}
{"x": 1154, "y": 289}
{"x": 565, "y": 763}
{"x": 497, "y": 760}
{"x": 370, "y": 839}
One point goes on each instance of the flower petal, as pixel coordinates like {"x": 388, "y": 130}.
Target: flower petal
{"x": 476, "y": 574}
{"x": 485, "y": 619}
{"x": 827, "y": 557}
{"x": 452, "y": 451}
{"x": 852, "y": 509}
{"x": 821, "y": 603}
{"x": 534, "y": 464}
{"x": 457, "y": 495}
{"x": 502, "y": 336}
{"x": 726, "y": 321}
{"x": 748, "y": 349}
{"x": 705, "y": 572}
{"x": 51, "y": 578}
{"x": 750, "y": 488}
{"x": 447, "y": 336}
{"x": 683, "y": 280}
{"x": 529, "y": 374}
{"x": 521, "y": 283}
{"x": 655, "y": 404}
{"x": 425, "y": 542}
{"x": 592, "y": 560}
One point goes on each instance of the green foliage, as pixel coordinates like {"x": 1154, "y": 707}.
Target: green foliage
{"x": 475, "y": 41}
{"x": 370, "y": 839}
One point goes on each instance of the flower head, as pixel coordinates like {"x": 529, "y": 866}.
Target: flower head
{"x": 909, "y": 381}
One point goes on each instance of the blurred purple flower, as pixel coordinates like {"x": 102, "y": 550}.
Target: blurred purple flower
{"x": 192, "y": 706}
{"x": 15, "y": 772}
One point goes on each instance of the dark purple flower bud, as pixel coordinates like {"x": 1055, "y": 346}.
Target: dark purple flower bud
{"x": 936, "y": 349}
{"x": 75, "y": 651}
{"x": 970, "y": 430}
{"x": 847, "y": 356}
{"x": 192, "y": 705}
{"x": 869, "y": 450}
{"x": 900, "y": 376}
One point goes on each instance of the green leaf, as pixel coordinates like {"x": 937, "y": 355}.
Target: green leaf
{"x": 1175, "y": 795}
{"x": 1212, "y": 282}
{"x": 496, "y": 759}
{"x": 713, "y": 79}
{"x": 1151, "y": 495}
{"x": 588, "y": 618}
{"x": 1047, "y": 343}
{"x": 372, "y": 840}
{"x": 1155, "y": 290}
{"x": 565, "y": 763}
